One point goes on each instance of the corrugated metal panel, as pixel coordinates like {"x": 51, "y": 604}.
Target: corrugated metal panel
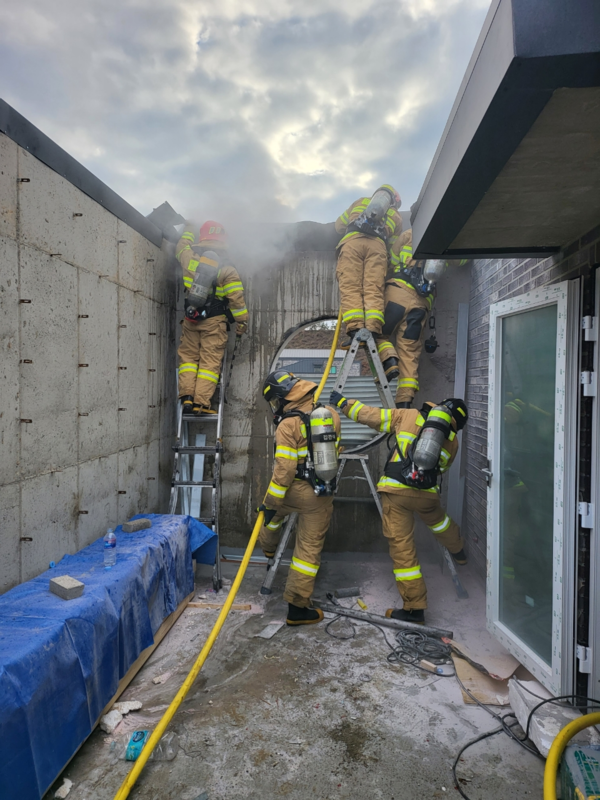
{"x": 358, "y": 388}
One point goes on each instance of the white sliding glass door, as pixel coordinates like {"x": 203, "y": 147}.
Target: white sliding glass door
{"x": 533, "y": 390}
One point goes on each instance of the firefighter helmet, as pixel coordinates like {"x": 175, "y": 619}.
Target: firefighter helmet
{"x": 212, "y": 231}
{"x": 396, "y": 202}
{"x": 277, "y": 387}
{"x": 458, "y": 409}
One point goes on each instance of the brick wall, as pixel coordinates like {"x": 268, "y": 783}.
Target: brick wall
{"x": 494, "y": 280}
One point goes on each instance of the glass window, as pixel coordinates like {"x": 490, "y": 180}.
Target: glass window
{"x": 526, "y": 497}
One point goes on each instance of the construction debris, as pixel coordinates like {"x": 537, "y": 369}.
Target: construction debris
{"x": 162, "y": 678}
{"x": 64, "y": 789}
{"x": 488, "y": 690}
{"x": 136, "y": 525}
{"x": 109, "y": 721}
{"x": 270, "y": 631}
{"x": 353, "y": 591}
{"x": 126, "y": 706}
{"x": 66, "y": 587}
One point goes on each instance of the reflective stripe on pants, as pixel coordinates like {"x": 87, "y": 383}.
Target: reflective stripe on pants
{"x": 200, "y": 357}
{"x": 361, "y": 268}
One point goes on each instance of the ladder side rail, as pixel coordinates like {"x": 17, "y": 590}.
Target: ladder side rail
{"x": 372, "y": 486}
{"x": 347, "y": 366}
{"x": 283, "y": 543}
{"x": 381, "y": 383}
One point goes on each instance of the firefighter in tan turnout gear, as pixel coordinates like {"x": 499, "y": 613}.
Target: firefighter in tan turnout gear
{"x": 304, "y": 471}
{"x": 425, "y": 447}
{"x": 409, "y": 296}
{"x": 214, "y": 298}
{"x": 370, "y": 225}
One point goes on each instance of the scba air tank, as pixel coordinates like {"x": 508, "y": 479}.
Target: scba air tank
{"x": 322, "y": 431}
{"x": 204, "y": 279}
{"x": 435, "y": 431}
{"x": 378, "y": 206}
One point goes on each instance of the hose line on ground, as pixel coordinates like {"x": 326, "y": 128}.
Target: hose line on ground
{"x": 327, "y": 370}
{"x": 557, "y": 749}
{"x": 134, "y": 774}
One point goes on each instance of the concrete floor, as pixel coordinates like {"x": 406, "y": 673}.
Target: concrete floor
{"x": 304, "y": 715}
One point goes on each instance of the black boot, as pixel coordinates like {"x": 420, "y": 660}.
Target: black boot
{"x": 347, "y": 343}
{"x": 416, "y": 615}
{"x": 188, "y": 402}
{"x": 303, "y": 616}
{"x": 406, "y": 404}
{"x": 460, "y": 557}
{"x": 390, "y": 365}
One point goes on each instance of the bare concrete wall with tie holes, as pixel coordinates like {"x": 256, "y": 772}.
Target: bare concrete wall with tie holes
{"x": 87, "y": 389}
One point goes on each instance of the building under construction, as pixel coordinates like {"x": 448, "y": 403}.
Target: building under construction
{"x": 92, "y": 435}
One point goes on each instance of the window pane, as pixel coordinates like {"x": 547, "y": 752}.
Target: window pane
{"x": 527, "y": 476}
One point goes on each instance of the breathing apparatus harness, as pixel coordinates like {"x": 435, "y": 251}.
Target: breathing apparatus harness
{"x": 372, "y": 221}
{"x": 211, "y": 306}
{"x": 414, "y": 276}
{"x": 419, "y": 468}
{"x": 321, "y": 446}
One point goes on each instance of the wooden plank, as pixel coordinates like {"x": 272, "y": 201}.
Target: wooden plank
{"x": 234, "y": 607}
{"x": 145, "y": 654}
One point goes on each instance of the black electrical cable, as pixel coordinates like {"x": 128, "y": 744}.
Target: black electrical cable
{"x": 414, "y": 646}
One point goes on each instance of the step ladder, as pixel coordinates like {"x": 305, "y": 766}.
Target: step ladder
{"x": 365, "y": 338}
{"x": 197, "y": 468}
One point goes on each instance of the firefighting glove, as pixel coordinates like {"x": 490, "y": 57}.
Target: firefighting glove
{"x": 192, "y": 314}
{"x": 337, "y": 399}
{"x": 241, "y": 328}
{"x": 268, "y": 512}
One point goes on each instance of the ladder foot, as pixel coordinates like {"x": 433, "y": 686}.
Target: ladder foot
{"x": 264, "y": 590}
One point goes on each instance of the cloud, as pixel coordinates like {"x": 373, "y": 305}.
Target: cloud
{"x": 277, "y": 110}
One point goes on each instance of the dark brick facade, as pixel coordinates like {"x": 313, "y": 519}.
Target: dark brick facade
{"x": 494, "y": 280}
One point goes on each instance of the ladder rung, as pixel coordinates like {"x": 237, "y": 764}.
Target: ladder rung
{"x": 204, "y": 418}
{"x": 194, "y": 483}
{"x": 197, "y": 450}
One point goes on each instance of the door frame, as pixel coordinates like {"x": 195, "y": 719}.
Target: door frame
{"x": 557, "y": 678}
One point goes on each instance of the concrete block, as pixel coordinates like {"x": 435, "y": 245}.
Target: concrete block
{"x": 66, "y": 587}
{"x": 48, "y": 205}
{"x": 133, "y": 368}
{"x": 136, "y": 525}
{"x": 49, "y": 382}
{"x": 10, "y": 532}
{"x": 9, "y": 360}
{"x": 153, "y": 478}
{"x": 137, "y": 260}
{"x": 98, "y": 382}
{"x": 97, "y": 493}
{"x": 133, "y": 486}
{"x": 8, "y": 187}
{"x": 49, "y": 517}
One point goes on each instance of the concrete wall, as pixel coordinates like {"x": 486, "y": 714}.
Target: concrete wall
{"x": 495, "y": 280}
{"x": 89, "y": 360}
{"x": 283, "y": 293}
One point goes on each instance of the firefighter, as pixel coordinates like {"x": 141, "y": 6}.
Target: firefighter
{"x": 409, "y": 297}
{"x": 208, "y": 317}
{"x": 370, "y": 225}
{"x": 409, "y": 486}
{"x": 296, "y": 486}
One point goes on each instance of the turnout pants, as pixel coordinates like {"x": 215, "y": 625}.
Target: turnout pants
{"x": 406, "y": 314}
{"x": 361, "y": 268}
{"x": 200, "y": 357}
{"x": 399, "y": 526}
{"x": 314, "y": 514}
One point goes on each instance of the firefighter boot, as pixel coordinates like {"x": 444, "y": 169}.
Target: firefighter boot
{"x": 303, "y": 616}
{"x": 416, "y": 615}
{"x": 460, "y": 557}
{"x": 188, "y": 403}
{"x": 390, "y": 366}
{"x": 202, "y": 411}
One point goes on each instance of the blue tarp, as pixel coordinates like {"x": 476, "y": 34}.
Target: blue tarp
{"x": 61, "y": 661}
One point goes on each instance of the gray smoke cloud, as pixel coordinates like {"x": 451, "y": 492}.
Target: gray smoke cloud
{"x": 272, "y": 111}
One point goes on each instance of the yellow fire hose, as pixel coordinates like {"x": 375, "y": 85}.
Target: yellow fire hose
{"x": 327, "y": 369}
{"x": 130, "y": 780}
{"x": 558, "y": 747}
{"x": 139, "y": 765}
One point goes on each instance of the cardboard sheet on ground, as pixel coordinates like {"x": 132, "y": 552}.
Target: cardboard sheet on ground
{"x": 61, "y": 661}
{"x": 490, "y": 688}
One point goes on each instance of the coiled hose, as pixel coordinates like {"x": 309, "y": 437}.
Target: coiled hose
{"x": 558, "y": 747}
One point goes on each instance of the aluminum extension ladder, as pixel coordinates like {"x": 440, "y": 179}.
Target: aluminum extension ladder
{"x": 197, "y": 468}
{"x": 363, "y": 336}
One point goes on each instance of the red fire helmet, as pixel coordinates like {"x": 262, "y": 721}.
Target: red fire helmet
{"x": 212, "y": 231}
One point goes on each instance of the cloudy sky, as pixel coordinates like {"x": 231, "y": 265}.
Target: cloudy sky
{"x": 277, "y": 110}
